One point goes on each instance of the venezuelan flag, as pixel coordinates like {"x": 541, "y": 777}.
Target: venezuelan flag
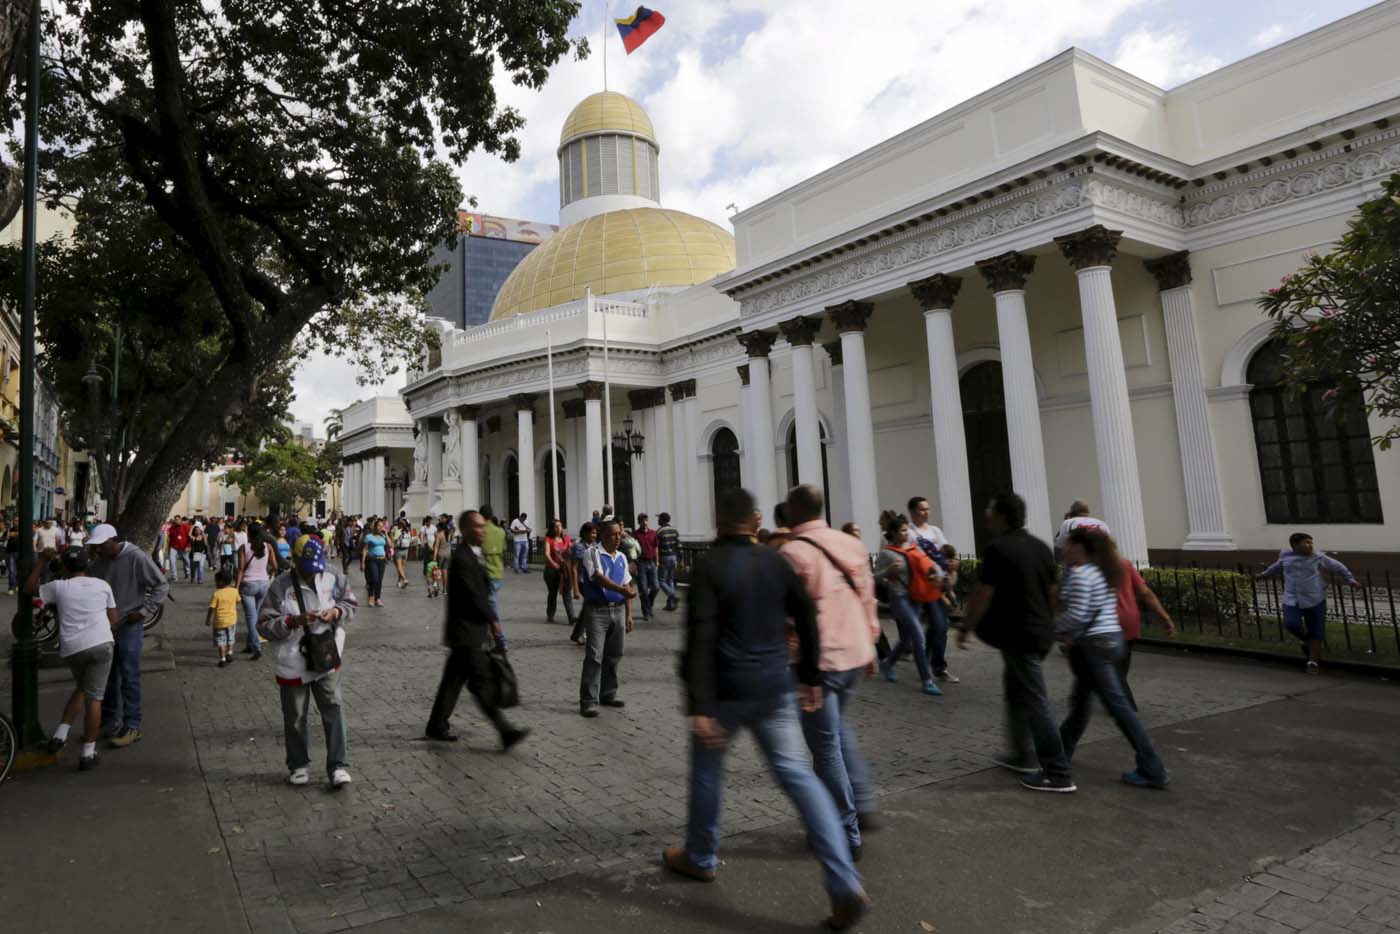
{"x": 638, "y": 28}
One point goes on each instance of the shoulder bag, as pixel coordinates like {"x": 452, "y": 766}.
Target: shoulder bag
{"x": 318, "y": 649}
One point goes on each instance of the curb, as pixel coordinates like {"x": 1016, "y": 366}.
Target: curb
{"x": 1278, "y": 659}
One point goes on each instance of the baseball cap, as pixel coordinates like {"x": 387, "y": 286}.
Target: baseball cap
{"x": 310, "y": 553}
{"x": 102, "y": 532}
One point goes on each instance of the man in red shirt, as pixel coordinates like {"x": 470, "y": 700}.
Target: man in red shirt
{"x": 1133, "y": 590}
{"x": 180, "y": 546}
{"x": 646, "y": 565}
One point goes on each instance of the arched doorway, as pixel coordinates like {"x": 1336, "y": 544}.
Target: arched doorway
{"x": 792, "y": 466}
{"x": 988, "y": 450}
{"x": 724, "y": 460}
{"x": 554, "y": 510}
{"x": 484, "y": 493}
{"x": 512, "y": 488}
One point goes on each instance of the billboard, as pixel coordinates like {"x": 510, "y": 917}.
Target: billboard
{"x": 504, "y": 228}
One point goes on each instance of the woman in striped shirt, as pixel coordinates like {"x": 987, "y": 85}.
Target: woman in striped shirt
{"x": 1088, "y": 629}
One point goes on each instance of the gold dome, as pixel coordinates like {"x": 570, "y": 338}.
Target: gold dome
{"x": 604, "y": 112}
{"x": 620, "y": 251}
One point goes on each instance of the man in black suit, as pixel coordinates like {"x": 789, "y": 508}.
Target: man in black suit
{"x": 471, "y": 631}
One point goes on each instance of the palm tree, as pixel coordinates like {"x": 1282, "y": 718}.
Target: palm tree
{"x": 335, "y": 423}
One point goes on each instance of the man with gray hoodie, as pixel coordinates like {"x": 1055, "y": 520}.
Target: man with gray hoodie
{"x": 139, "y": 588}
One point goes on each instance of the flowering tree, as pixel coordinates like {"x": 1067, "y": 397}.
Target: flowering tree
{"x": 1339, "y": 315}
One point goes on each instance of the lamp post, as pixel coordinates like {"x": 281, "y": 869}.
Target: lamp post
{"x": 629, "y": 441}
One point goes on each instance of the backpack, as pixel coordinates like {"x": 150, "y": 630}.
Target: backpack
{"x": 921, "y": 588}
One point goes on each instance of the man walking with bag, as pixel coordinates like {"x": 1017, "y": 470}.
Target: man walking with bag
{"x": 471, "y": 631}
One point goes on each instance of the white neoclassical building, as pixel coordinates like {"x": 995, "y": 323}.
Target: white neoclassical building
{"x": 1051, "y": 286}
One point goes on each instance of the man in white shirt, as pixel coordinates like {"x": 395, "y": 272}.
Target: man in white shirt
{"x": 49, "y": 537}
{"x": 927, "y": 536}
{"x": 520, "y": 533}
{"x": 606, "y": 584}
{"x": 931, "y": 540}
{"x": 1077, "y": 518}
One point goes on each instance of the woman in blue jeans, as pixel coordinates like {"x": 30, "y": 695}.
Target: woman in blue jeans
{"x": 894, "y": 565}
{"x": 257, "y": 565}
{"x": 1089, "y": 633}
{"x": 374, "y": 561}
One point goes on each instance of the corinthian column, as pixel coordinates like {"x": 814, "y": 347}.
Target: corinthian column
{"x": 851, "y": 319}
{"x": 1006, "y": 277}
{"x": 758, "y": 344}
{"x": 935, "y": 295}
{"x": 1091, "y": 253}
{"x": 1205, "y": 512}
{"x": 593, "y": 446}
{"x": 800, "y": 333}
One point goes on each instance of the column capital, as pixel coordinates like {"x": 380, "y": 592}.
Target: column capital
{"x": 800, "y": 332}
{"x": 1171, "y": 271}
{"x": 685, "y": 389}
{"x": 573, "y": 408}
{"x": 493, "y": 424}
{"x": 592, "y": 390}
{"x": 850, "y": 316}
{"x": 937, "y": 291}
{"x": 1006, "y": 272}
{"x": 468, "y": 412}
{"x": 524, "y": 402}
{"x": 1093, "y": 246}
{"x": 757, "y": 343}
{"x": 743, "y": 374}
{"x": 833, "y": 350}
{"x": 641, "y": 399}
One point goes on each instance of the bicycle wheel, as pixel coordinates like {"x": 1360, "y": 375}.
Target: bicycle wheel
{"x": 154, "y": 621}
{"x": 9, "y": 746}
{"x": 46, "y": 625}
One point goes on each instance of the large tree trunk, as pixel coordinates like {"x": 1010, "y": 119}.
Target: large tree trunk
{"x": 14, "y": 23}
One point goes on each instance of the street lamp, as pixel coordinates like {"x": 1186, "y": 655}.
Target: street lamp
{"x": 628, "y": 441}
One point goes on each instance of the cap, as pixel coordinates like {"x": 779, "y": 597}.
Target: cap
{"x": 102, "y": 533}
{"x": 310, "y": 554}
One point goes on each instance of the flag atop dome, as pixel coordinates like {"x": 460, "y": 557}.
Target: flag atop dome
{"x": 639, "y": 27}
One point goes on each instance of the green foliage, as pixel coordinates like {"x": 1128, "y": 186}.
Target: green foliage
{"x": 1337, "y": 315}
{"x": 284, "y": 472}
{"x": 328, "y": 467}
{"x": 1213, "y": 598}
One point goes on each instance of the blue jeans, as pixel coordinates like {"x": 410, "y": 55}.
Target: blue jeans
{"x": 774, "y": 726}
{"x": 374, "y": 576}
{"x": 1306, "y": 622}
{"x": 1030, "y": 725}
{"x": 835, "y": 755}
{"x": 250, "y": 594}
{"x": 935, "y": 617}
{"x": 666, "y": 579}
{"x": 522, "y": 557}
{"x": 646, "y": 586}
{"x": 605, "y": 628}
{"x": 1094, "y": 661}
{"x": 911, "y": 634}
{"x": 12, "y": 569}
{"x": 121, "y": 704}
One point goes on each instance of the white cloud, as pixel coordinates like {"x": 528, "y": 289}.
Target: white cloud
{"x": 1162, "y": 56}
{"x": 1272, "y": 34}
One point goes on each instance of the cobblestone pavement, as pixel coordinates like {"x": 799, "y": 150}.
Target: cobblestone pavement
{"x": 1351, "y": 884}
{"x": 427, "y": 825}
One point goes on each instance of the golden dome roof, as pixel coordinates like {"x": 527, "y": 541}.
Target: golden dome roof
{"x": 620, "y": 251}
{"x": 607, "y": 111}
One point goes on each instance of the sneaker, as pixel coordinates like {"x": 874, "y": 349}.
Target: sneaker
{"x": 889, "y": 673}
{"x": 847, "y": 911}
{"x": 589, "y": 712}
{"x": 1139, "y": 780}
{"x": 1312, "y": 668}
{"x": 674, "y": 859}
{"x": 614, "y": 702}
{"x": 299, "y": 777}
{"x": 947, "y": 676}
{"x": 1011, "y": 765}
{"x": 223, "y": 662}
{"x": 55, "y": 745}
{"x": 87, "y": 763}
{"x": 931, "y": 689}
{"x": 1039, "y": 781}
{"x": 126, "y": 737}
{"x": 339, "y": 778}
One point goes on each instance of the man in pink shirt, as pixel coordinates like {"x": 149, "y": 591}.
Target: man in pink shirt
{"x": 835, "y": 570}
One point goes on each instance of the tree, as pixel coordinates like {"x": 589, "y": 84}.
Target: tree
{"x": 283, "y": 473}
{"x": 14, "y": 29}
{"x": 294, "y": 151}
{"x": 334, "y": 424}
{"x": 1337, "y": 315}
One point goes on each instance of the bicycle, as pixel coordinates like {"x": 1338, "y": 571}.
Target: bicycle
{"x": 9, "y": 746}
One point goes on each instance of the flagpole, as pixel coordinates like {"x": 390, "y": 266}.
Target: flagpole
{"x": 607, "y": 420}
{"x": 605, "y": 45}
{"x": 553, "y": 441}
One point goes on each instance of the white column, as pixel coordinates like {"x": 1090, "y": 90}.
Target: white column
{"x": 1006, "y": 276}
{"x": 347, "y": 488}
{"x": 661, "y": 452}
{"x": 955, "y": 505}
{"x": 698, "y": 491}
{"x": 434, "y": 467}
{"x": 764, "y": 484}
{"x": 525, "y": 455}
{"x": 850, "y": 319}
{"x": 574, "y": 466}
{"x": 745, "y": 417}
{"x": 838, "y": 457}
{"x": 1205, "y": 511}
{"x": 800, "y": 333}
{"x": 470, "y": 453}
{"x": 378, "y": 493}
{"x": 1091, "y": 252}
{"x": 593, "y": 447}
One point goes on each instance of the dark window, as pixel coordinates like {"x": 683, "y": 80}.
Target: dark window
{"x": 1315, "y": 457}
{"x": 512, "y": 488}
{"x": 988, "y": 449}
{"x": 792, "y": 465}
{"x": 555, "y": 510}
{"x": 724, "y": 451}
{"x": 622, "y": 483}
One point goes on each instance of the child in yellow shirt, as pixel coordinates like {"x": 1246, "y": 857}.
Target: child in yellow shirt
{"x": 223, "y": 616}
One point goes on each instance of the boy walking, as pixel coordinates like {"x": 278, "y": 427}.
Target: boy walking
{"x": 222, "y": 618}
{"x": 1305, "y": 592}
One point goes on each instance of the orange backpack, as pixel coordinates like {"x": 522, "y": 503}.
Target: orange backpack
{"x": 921, "y": 588}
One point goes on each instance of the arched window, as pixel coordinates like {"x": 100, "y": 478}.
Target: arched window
{"x": 625, "y": 507}
{"x": 792, "y": 464}
{"x": 1315, "y": 462}
{"x": 724, "y": 453}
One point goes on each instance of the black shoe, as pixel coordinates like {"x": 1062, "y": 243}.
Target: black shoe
{"x": 87, "y": 763}
{"x": 223, "y": 662}
{"x": 614, "y": 702}
{"x": 869, "y": 821}
{"x": 254, "y": 657}
{"x": 589, "y": 712}
{"x": 247, "y": 649}
{"x": 512, "y": 737}
{"x": 55, "y": 745}
{"x": 444, "y": 735}
{"x": 1042, "y": 782}
{"x": 855, "y": 853}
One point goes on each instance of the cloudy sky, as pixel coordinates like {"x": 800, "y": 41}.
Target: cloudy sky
{"x": 751, "y": 96}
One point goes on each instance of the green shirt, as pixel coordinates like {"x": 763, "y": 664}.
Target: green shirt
{"x": 631, "y": 548}
{"x": 493, "y": 550}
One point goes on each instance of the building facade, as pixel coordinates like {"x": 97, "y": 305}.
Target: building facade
{"x": 486, "y": 253}
{"x": 1052, "y": 286}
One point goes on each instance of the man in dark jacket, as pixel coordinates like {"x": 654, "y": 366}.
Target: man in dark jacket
{"x": 471, "y": 632}
{"x": 735, "y": 669}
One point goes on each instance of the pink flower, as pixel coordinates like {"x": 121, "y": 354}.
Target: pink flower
{"x": 1285, "y": 279}
{"x": 1273, "y": 291}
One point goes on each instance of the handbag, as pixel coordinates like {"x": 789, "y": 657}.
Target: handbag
{"x": 318, "y": 649}
{"x": 505, "y": 688}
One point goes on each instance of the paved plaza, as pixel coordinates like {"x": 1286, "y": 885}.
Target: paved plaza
{"x": 1281, "y": 814}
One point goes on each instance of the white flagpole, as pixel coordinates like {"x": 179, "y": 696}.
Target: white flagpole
{"x": 553, "y": 443}
{"x": 607, "y": 419}
{"x": 605, "y": 45}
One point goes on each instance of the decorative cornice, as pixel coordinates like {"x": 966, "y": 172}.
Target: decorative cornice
{"x": 1093, "y": 246}
{"x": 833, "y": 350}
{"x": 592, "y": 390}
{"x": 757, "y": 343}
{"x": 685, "y": 389}
{"x": 937, "y": 291}
{"x": 743, "y": 374}
{"x": 641, "y": 399}
{"x": 1006, "y": 272}
{"x": 851, "y": 317}
{"x": 1171, "y": 271}
{"x": 800, "y": 332}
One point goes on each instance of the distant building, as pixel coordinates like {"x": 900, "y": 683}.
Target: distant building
{"x": 487, "y": 252}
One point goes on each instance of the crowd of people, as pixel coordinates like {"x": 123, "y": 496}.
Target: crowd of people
{"x": 781, "y": 628}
